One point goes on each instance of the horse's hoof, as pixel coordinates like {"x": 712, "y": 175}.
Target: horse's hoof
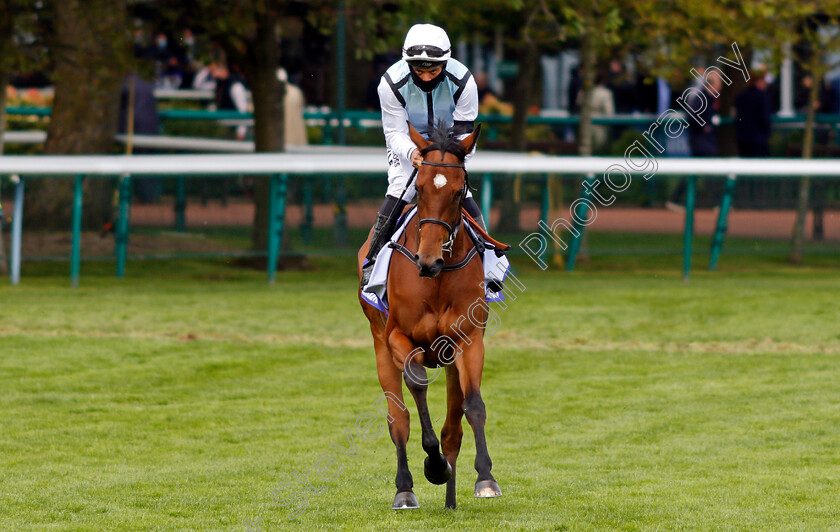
{"x": 487, "y": 489}
{"x": 437, "y": 477}
{"x": 405, "y": 500}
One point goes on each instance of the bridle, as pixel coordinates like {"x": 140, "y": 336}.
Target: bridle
{"x": 452, "y": 229}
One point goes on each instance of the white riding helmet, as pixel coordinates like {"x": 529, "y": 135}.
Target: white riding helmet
{"x": 426, "y": 45}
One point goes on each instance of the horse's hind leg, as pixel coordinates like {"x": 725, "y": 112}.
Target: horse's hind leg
{"x": 398, "y": 424}
{"x": 437, "y": 469}
{"x": 452, "y": 431}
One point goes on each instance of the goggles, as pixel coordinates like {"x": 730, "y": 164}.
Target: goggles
{"x": 425, "y": 51}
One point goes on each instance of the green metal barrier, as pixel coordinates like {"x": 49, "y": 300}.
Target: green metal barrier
{"x": 688, "y": 233}
{"x": 276, "y": 217}
{"x": 720, "y": 227}
{"x": 180, "y": 204}
{"x": 577, "y": 234}
{"x": 278, "y": 204}
{"x": 545, "y": 207}
{"x": 486, "y": 197}
{"x": 121, "y": 230}
{"x": 75, "y": 254}
{"x": 355, "y": 117}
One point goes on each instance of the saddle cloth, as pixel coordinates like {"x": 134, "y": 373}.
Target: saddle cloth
{"x": 374, "y": 293}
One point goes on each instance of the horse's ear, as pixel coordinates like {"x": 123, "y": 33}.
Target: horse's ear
{"x": 469, "y": 142}
{"x": 415, "y": 135}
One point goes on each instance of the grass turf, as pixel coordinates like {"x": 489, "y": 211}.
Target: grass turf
{"x": 617, "y": 398}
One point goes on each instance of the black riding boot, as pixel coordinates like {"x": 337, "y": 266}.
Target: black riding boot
{"x": 472, "y": 208}
{"x": 382, "y": 230}
{"x": 475, "y": 212}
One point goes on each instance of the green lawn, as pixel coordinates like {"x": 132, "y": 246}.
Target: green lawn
{"x": 618, "y": 397}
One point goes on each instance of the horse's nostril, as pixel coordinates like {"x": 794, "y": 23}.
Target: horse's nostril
{"x": 416, "y": 257}
{"x": 439, "y": 262}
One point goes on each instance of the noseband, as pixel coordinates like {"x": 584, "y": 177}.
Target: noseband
{"x": 453, "y": 231}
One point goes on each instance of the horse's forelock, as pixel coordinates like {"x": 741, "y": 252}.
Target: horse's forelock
{"x": 443, "y": 139}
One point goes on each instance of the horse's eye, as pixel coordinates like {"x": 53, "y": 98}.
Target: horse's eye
{"x": 459, "y": 194}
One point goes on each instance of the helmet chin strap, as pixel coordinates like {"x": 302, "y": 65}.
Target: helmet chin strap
{"x": 428, "y": 86}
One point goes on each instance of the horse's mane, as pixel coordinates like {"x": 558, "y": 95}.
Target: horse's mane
{"x": 443, "y": 139}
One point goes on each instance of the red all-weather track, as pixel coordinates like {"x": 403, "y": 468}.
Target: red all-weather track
{"x": 756, "y": 224}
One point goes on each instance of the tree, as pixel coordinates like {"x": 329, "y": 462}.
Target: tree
{"x": 820, "y": 33}
{"x": 692, "y": 27}
{"x": 248, "y": 33}
{"x": 599, "y": 28}
{"x": 519, "y": 27}
{"x": 16, "y": 20}
{"x": 89, "y": 47}
{"x": 9, "y": 11}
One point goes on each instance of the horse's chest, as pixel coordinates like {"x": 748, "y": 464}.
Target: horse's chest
{"x": 427, "y": 329}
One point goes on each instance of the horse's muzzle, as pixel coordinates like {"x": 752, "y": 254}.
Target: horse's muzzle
{"x": 430, "y": 270}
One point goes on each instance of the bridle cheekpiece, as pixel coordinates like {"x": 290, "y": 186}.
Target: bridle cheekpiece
{"x": 453, "y": 231}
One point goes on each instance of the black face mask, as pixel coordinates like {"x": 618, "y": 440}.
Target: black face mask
{"x": 427, "y": 86}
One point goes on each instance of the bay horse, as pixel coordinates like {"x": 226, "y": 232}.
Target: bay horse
{"x": 428, "y": 295}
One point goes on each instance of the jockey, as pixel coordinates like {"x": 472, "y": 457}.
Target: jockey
{"x": 424, "y": 87}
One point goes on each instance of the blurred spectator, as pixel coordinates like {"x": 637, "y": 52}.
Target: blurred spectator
{"x": 203, "y": 79}
{"x": 663, "y": 96}
{"x": 752, "y": 118}
{"x": 380, "y": 64}
{"x": 647, "y": 91}
{"x": 140, "y": 119}
{"x": 188, "y": 56}
{"x": 294, "y": 125}
{"x": 171, "y": 75}
{"x": 602, "y": 105}
{"x": 488, "y": 102}
{"x": 141, "y": 39}
{"x": 231, "y": 94}
{"x": 575, "y": 84}
{"x": 161, "y": 51}
{"x": 678, "y": 146}
{"x": 188, "y": 45}
{"x": 828, "y": 98}
{"x": 835, "y": 87}
{"x": 702, "y": 139}
{"x": 145, "y": 115}
{"x": 773, "y": 93}
{"x": 802, "y": 95}
{"x": 623, "y": 89}
{"x": 168, "y": 67}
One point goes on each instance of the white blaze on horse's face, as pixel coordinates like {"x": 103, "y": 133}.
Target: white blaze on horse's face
{"x": 440, "y": 181}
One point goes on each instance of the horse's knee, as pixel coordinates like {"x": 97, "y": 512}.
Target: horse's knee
{"x": 415, "y": 377}
{"x": 399, "y": 427}
{"x": 474, "y": 408}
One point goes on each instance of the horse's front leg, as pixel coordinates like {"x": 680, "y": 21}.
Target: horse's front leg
{"x": 470, "y": 366}
{"x": 398, "y": 423}
{"x": 452, "y": 432}
{"x": 437, "y": 469}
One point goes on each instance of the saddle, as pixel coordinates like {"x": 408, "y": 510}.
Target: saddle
{"x": 495, "y": 264}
